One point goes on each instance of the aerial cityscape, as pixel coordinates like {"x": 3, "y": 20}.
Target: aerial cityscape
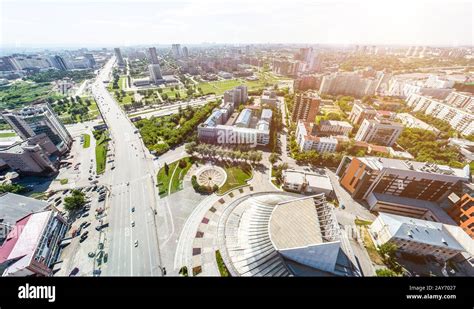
{"x": 244, "y": 154}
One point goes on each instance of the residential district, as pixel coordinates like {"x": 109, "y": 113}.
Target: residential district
{"x": 238, "y": 160}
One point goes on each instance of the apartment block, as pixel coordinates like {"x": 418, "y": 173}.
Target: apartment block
{"x": 459, "y": 119}
{"x": 378, "y": 131}
{"x": 306, "y": 106}
{"x": 333, "y": 127}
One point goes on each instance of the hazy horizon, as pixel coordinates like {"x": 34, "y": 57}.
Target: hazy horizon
{"x": 106, "y": 23}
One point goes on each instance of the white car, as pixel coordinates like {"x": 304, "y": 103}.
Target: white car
{"x": 133, "y": 223}
{"x": 136, "y": 243}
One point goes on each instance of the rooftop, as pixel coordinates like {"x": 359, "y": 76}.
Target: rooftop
{"x": 295, "y": 224}
{"x": 421, "y": 231}
{"x": 377, "y": 163}
{"x": 14, "y": 207}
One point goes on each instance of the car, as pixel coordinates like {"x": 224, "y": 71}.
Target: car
{"x": 86, "y": 214}
{"x": 74, "y": 272}
{"x": 84, "y": 235}
{"x": 136, "y": 243}
{"x": 133, "y": 223}
{"x": 90, "y": 178}
{"x": 133, "y": 209}
{"x": 82, "y": 239}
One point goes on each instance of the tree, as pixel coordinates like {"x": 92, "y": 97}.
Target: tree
{"x": 12, "y": 188}
{"x": 388, "y": 249}
{"x": 75, "y": 201}
{"x": 385, "y": 272}
{"x": 274, "y": 158}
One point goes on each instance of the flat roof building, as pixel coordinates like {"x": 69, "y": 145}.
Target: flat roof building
{"x": 400, "y": 186}
{"x": 33, "y": 245}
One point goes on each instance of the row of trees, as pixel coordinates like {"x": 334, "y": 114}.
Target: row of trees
{"x": 217, "y": 152}
{"x": 13, "y": 188}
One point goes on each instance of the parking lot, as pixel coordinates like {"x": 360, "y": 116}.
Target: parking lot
{"x": 85, "y": 244}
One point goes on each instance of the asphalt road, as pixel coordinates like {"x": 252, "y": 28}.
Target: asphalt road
{"x": 132, "y": 237}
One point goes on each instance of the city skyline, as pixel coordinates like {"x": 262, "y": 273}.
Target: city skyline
{"x": 234, "y": 22}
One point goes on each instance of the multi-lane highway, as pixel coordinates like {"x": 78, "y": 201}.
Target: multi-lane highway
{"x": 132, "y": 238}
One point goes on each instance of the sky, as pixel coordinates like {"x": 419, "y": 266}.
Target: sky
{"x": 87, "y": 23}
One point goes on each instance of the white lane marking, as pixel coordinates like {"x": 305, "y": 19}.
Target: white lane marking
{"x": 147, "y": 234}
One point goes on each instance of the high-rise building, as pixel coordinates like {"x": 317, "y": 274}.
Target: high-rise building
{"x": 185, "y": 52}
{"x": 307, "y": 82}
{"x": 379, "y": 131}
{"x": 90, "y": 58}
{"x": 153, "y": 55}
{"x": 306, "y": 106}
{"x": 59, "y": 63}
{"x": 118, "y": 55}
{"x": 155, "y": 73}
{"x": 237, "y": 95}
{"x": 176, "y": 50}
{"x": 37, "y": 119}
{"x": 349, "y": 83}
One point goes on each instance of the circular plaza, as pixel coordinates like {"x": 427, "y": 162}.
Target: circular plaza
{"x": 210, "y": 175}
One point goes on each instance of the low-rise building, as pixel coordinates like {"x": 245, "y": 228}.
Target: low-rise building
{"x": 247, "y": 129}
{"x": 420, "y": 237}
{"x": 333, "y": 127}
{"x": 36, "y": 155}
{"x": 308, "y": 140}
{"x": 33, "y": 245}
{"x": 269, "y": 97}
{"x": 307, "y": 182}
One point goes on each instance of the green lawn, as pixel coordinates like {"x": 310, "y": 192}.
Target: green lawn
{"x": 177, "y": 181}
{"x": 101, "y": 153}
{"x": 87, "y": 141}
{"x": 164, "y": 179}
{"x": 236, "y": 176}
{"x": 7, "y": 134}
{"x": 172, "y": 93}
{"x": 219, "y": 87}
